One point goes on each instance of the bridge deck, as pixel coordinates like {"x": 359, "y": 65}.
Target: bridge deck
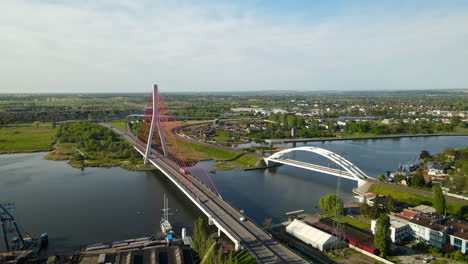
{"x": 318, "y": 168}
{"x": 254, "y": 239}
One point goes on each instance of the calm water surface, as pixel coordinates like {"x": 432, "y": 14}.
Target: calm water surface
{"x": 78, "y": 207}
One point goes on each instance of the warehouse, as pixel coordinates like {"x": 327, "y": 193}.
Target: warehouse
{"x": 310, "y": 235}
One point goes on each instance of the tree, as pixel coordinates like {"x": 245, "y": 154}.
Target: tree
{"x": 424, "y": 154}
{"x": 399, "y": 177}
{"x": 199, "y": 235}
{"x": 382, "y": 234}
{"x": 417, "y": 179}
{"x": 450, "y": 151}
{"x": 381, "y": 177}
{"x": 390, "y": 205}
{"x": 329, "y": 202}
{"x": 439, "y": 199}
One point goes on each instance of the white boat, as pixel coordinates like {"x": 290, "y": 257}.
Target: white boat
{"x": 166, "y": 227}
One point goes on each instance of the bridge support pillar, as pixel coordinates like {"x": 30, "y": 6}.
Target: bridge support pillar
{"x": 155, "y": 121}
{"x": 237, "y": 246}
{"x": 361, "y": 182}
{"x": 219, "y": 232}
{"x": 210, "y": 220}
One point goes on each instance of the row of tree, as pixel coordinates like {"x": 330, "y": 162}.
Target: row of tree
{"x": 48, "y": 116}
{"x": 399, "y": 127}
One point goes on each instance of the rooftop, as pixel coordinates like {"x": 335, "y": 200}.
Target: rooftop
{"x": 424, "y": 209}
{"x": 349, "y": 233}
{"x": 457, "y": 228}
{"x": 309, "y": 234}
{"x": 396, "y": 223}
{"x": 431, "y": 221}
{"x": 407, "y": 214}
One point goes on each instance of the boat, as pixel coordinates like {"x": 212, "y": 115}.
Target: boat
{"x": 166, "y": 227}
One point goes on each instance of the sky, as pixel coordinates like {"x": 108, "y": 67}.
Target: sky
{"x": 128, "y": 45}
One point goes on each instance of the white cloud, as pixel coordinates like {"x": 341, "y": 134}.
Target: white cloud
{"x": 127, "y": 45}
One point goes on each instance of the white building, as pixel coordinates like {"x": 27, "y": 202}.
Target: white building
{"x": 311, "y": 235}
{"x": 457, "y": 234}
{"x": 399, "y": 229}
{"x": 427, "y": 228}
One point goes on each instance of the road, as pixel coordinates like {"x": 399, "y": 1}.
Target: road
{"x": 259, "y": 243}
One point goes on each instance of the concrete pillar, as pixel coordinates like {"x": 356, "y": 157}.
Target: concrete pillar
{"x": 153, "y": 123}
{"x": 237, "y": 246}
{"x": 361, "y": 182}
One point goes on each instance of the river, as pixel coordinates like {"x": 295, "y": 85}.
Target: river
{"x": 80, "y": 207}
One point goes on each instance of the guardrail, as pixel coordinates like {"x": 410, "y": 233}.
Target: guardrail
{"x": 457, "y": 196}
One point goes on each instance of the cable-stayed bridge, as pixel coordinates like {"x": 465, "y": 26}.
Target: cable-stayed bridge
{"x": 177, "y": 160}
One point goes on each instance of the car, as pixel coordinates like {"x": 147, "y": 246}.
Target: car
{"x": 242, "y": 219}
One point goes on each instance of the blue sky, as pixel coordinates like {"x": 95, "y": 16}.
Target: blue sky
{"x": 127, "y": 45}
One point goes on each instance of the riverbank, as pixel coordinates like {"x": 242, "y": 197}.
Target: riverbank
{"x": 293, "y": 140}
{"x": 79, "y": 159}
{"x": 225, "y": 159}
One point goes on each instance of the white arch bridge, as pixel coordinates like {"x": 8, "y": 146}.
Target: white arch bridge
{"x": 350, "y": 170}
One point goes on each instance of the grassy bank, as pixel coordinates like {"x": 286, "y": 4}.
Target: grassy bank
{"x": 348, "y": 220}
{"x": 120, "y": 124}
{"x": 416, "y": 199}
{"x": 352, "y": 221}
{"x": 26, "y": 139}
{"x": 226, "y": 160}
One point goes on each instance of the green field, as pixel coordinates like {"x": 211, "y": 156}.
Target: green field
{"x": 244, "y": 161}
{"x": 26, "y": 139}
{"x": 348, "y": 220}
{"x": 416, "y": 199}
{"x": 352, "y": 221}
{"x": 119, "y": 123}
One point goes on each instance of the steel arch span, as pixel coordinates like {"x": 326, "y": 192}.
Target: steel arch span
{"x": 351, "y": 171}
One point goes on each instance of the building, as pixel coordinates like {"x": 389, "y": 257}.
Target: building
{"x": 436, "y": 169}
{"x": 354, "y": 236}
{"x": 427, "y": 228}
{"x": 457, "y": 234}
{"x": 399, "y": 229}
{"x": 423, "y": 209}
{"x": 367, "y": 198}
{"x": 311, "y": 235}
